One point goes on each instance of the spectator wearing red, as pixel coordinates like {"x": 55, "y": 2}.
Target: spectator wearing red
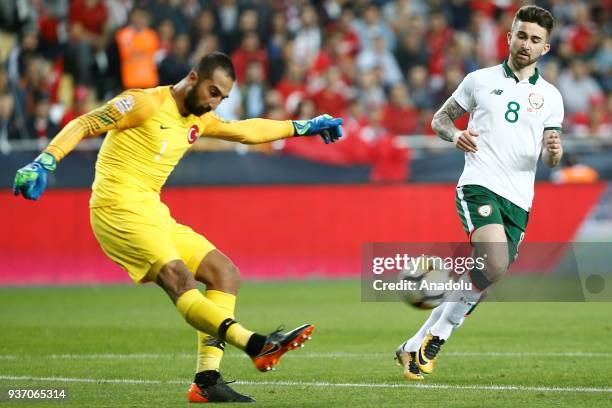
{"x": 137, "y": 45}
{"x": 389, "y": 161}
{"x": 50, "y": 26}
{"x": 355, "y": 118}
{"x": 249, "y": 52}
{"x": 332, "y": 98}
{"x": 350, "y": 150}
{"x": 594, "y": 123}
{"x": 88, "y": 32}
{"x": 486, "y": 7}
{"x": 79, "y": 105}
{"x": 438, "y": 36}
{"x": 581, "y": 34}
{"x": 348, "y": 43}
{"x": 399, "y": 115}
{"x": 249, "y": 20}
{"x": 328, "y": 55}
{"x": 503, "y": 26}
{"x": 292, "y": 87}
{"x": 90, "y": 15}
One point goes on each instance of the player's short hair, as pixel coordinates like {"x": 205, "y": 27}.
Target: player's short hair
{"x": 215, "y": 60}
{"x": 535, "y": 14}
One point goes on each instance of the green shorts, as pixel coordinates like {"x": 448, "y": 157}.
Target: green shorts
{"x": 478, "y": 206}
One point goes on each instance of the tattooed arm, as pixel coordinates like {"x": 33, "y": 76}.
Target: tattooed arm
{"x": 443, "y": 124}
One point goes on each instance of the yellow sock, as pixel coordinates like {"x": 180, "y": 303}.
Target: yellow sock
{"x": 206, "y": 316}
{"x": 210, "y": 349}
{"x": 238, "y": 336}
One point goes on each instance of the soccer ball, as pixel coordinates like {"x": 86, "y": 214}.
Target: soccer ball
{"x": 424, "y": 281}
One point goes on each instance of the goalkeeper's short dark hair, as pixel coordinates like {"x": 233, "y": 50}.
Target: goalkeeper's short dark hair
{"x": 535, "y": 14}
{"x": 212, "y": 61}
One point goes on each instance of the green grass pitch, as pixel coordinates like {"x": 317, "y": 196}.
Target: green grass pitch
{"x": 115, "y": 346}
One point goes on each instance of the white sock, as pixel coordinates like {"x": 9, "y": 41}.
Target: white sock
{"x": 460, "y": 302}
{"x": 415, "y": 341}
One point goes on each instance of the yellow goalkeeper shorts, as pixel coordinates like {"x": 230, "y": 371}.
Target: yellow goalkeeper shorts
{"x": 142, "y": 236}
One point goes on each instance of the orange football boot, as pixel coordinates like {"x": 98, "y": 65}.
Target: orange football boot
{"x": 278, "y": 343}
{"x": 217, "y": 391}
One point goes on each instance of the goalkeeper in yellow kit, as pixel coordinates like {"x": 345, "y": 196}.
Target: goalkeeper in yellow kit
{"x": 149, "y": 130}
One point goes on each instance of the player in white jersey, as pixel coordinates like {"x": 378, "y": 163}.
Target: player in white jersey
{"x": 515, "y": 115}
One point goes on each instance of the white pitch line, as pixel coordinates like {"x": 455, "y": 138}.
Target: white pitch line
{"x": 331, "y": 354}
{"x": 79, "y": 380}
{"x": 320, "y": 384}
{"x": 431, "y": 386}
{"x": 460, "y": 354}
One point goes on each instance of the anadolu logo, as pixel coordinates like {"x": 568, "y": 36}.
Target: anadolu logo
{"x": 193, "y": 134}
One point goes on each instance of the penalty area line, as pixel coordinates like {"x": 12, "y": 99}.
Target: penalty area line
{"x": 521, "y": 388}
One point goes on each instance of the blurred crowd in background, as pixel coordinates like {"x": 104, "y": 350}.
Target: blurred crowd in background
{"x": 385, "y": 66}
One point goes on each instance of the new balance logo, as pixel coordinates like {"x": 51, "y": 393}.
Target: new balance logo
{"x": 497, "y": 91}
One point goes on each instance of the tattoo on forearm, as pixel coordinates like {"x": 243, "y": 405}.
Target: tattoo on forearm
{"x": 442, "y": 122}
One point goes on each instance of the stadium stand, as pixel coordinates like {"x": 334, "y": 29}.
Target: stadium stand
{"x": 385, "y": 66}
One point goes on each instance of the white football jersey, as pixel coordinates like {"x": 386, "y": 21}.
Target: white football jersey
{"x": 510, "y": 117}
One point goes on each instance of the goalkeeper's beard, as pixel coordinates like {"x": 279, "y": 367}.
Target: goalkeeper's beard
{"x": 191, "y": 103}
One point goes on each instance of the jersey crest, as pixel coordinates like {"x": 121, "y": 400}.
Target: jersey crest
{"x": 192, "y": 134}
{"x": 536, "y": 100}
{"x": 485, "y": 210}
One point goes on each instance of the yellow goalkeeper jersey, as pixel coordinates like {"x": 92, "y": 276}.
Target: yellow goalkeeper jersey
{"x": 147, "y": 137}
